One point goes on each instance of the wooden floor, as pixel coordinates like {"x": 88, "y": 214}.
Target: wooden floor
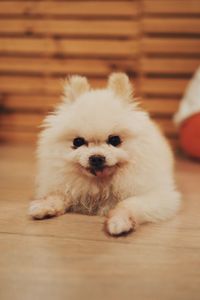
{"x": 71, "y": 257}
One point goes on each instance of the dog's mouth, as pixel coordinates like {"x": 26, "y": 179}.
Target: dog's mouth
{"x": 103, "y": 172}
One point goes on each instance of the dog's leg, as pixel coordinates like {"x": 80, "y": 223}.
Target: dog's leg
{"x": 151, "y": 207}
{"x": 49, "y": 206}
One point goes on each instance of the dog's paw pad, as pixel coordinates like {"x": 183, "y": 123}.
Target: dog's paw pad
{"x": 117, "y": 225}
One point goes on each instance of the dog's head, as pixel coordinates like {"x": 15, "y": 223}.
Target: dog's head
{"x": 93, "y": 130}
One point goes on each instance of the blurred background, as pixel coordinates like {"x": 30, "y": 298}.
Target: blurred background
{"x": 156, "y": 42}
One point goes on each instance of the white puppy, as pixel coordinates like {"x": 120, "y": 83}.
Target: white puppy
{"x": 99, "y": 154}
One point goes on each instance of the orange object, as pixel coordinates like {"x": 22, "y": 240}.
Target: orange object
{"x": 190, "y": 135}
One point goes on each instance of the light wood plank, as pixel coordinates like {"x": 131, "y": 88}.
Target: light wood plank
{"x": 39, "y": 103}
{"x": 74, "y": 47}
{"x": 171, "y": 25}
{"x": 29, "y": 85}
{"x": 17, "y": 137}
{"x": 26, "y": 121}
{"x": 155, "y": 65}
{"x": 161, "y": 106}
{"x": 64, "y": 67}
{"x": 69, "y": 8}
{"x": 38, "y": 85}
{"x": 171, "y": 7}
{"x": 165, "y": 86}
{"x": 95, "y": 28}
{"x": 171, "y": 45}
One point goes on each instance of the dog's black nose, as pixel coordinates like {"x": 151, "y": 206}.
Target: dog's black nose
{"x": 97, "y": 161}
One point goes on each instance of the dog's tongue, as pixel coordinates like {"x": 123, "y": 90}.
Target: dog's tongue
{"x": 104, "y": 172}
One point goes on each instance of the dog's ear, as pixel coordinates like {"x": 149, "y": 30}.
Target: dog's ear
{"x": 75, "y": 86}
{"x": 121, "y": 86}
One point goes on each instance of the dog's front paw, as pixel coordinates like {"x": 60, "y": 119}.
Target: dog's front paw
{"x": 49, "y": 207}
{"x": 119, "y": 222}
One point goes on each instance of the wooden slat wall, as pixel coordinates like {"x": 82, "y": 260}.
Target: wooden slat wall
{"x": 157, "y": 42}
{"x": 43, "y": 41}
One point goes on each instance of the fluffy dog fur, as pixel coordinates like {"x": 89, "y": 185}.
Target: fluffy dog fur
{"x": 136, "y": 184}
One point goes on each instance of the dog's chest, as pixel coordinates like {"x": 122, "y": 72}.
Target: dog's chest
{"x": 95, "y": 203}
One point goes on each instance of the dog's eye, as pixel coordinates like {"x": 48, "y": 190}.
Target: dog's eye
{"x": 114, "y": 140}
{"x": 78, "y": 142}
